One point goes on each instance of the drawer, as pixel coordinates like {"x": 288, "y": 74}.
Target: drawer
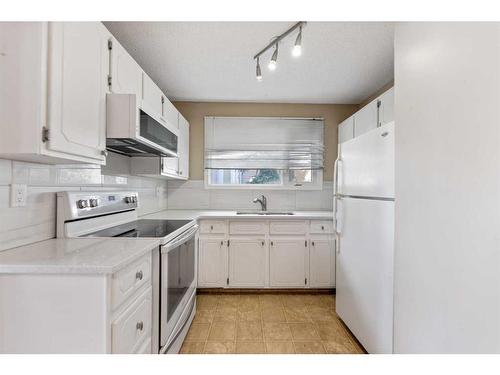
{"x": 213, "y": 226}
{"x": 127, "y": 281}
{"x": 288, "y": 227}
{"x": 248, "y": 227}
{"x": 132, "y": 326}
{"x": 321, "y": 226}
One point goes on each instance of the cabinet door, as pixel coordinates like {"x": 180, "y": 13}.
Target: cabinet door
{"x": 169, "y": 166}
{"x": 287, "y": 262}
{"x": 321, "y": 263}
{"x": 126, "y": 74}
{"x": 365, "y": 119}
{"x": 247, "y": 262}
{"x": 386, "y": 110}
{"x": 212, "y": 262}
{"x": 183, "y": 147}
{"x": 169, "y": 113}
{"x": 77, "y": 85}
{"x": 151, "y": 96}
{"x": 346, "y": 130}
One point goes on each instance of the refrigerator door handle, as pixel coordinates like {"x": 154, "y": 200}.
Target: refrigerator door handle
{"x": 335, "y": 171}
{"x": 339, "y": 216}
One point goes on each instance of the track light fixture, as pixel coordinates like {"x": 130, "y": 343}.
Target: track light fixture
{"x": 258, "y": 73}
{"x": 274, "y": 58}
{"x": 296, "y": 51}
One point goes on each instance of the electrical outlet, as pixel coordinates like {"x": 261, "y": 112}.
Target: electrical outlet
{"x": 18, "y": 195}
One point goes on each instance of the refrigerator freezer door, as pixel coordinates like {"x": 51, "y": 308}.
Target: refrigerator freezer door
{"x": 367, "y": 164}
{"x": 364, "y": 282}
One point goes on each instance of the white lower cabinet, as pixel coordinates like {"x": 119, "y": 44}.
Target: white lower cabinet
{"x": 264, "y": 253}
{"x": 287, "y": 262}
{"x": 247, "y": 263}
{"x": 133, "y": 326}
{"x": 78, "y": 313}
{"x": 212, "y": 262}
{"x": 321, "y": 263}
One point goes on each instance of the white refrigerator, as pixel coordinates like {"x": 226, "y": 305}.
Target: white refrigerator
{"x": 364, "y": 218}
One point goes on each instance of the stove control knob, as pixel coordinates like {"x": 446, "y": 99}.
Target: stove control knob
{"x": 82, "y": 203}
{"x": 129, "y": 199}
{"x": 94, "y": 202}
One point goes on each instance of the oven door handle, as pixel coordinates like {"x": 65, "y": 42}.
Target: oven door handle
{"x": 186, "y": 236}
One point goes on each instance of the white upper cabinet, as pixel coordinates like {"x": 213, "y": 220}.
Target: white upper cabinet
{"x": 386, "y": 109}
{"x": 346, "y": 130}
{"x": 126, "y": 74}
{"x": 183, "y": 146}
{"x": 77, "y": 85}
{"x": 373, "y": 115}
{"x": 169, "y": 113}
{"x": 156, "y": 103}
{"x": 366, "y": 118}
{"x": 152, "y": 96}
{"x": 53, "y": 97}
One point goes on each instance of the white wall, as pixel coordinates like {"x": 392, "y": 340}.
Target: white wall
{"x": 37, "y": 220}
{"x": 447, "y": 262}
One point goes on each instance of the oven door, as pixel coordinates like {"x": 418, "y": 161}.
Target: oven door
{"x": 178, "y": 282}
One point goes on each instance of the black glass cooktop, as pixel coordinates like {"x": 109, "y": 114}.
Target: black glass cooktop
{"x": 141, "y": 228}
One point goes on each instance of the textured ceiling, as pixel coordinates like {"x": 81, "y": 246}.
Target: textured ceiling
{"x": 342, "y": 62}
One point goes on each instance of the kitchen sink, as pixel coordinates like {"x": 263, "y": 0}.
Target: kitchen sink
{"x": 263, "y": 213}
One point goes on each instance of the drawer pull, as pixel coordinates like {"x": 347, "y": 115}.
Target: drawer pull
{"x": 140, "y": 325}
{"x": 322, "y": 227}
{"x": 211, "y": 227}
{"x": 263, "y": 243}
{"x": 139, "y": 275}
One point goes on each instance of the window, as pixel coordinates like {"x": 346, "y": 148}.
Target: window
{"x": 271, "y": 153}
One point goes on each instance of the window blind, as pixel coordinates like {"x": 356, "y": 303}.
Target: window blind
{"x": 263, "y": 143}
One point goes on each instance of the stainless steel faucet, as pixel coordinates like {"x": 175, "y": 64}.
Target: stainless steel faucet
{"x": 263, "y": 202}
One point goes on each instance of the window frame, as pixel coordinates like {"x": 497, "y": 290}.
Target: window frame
{"x": 317, "y": 183}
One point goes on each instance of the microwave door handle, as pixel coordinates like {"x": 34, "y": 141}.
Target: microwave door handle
{"x": 185, "y": 237}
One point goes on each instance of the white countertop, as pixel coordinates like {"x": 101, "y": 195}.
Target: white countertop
{"x": 214, "y": 214}
{"x": 75, "y": 255}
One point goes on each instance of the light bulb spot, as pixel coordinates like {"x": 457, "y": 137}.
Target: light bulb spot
{"x": 297, "y": 51}
{"x": 272, "y": 65}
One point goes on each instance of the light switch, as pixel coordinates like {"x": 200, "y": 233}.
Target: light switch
{"x": 18, "y": 195}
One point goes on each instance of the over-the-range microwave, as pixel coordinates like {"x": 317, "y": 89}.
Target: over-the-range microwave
{"x": 132, "y": 131}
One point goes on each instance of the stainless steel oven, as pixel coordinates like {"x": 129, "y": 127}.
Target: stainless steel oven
{"x": 178, "y": 287}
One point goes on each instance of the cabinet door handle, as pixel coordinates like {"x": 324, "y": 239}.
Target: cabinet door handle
{"x": 140, "y": 325}
{"x": 263, "y": 243}
{"x": 272, "y": 243}
{"x": 139, "y": 275}
{"x": 322, "y": 227}
{"x": 211, "y": 227}
{"x": 312, "y": 243}
{"x": 222, "y": 243}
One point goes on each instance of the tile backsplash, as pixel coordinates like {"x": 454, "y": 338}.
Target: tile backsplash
{"x": 193, "y": 195}
{"x": 37, "y": 220}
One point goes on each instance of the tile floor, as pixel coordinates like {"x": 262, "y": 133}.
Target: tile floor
{"x": 268, "y": 323}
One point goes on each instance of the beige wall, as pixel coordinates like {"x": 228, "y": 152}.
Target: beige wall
{"x": 195, "y": 113}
